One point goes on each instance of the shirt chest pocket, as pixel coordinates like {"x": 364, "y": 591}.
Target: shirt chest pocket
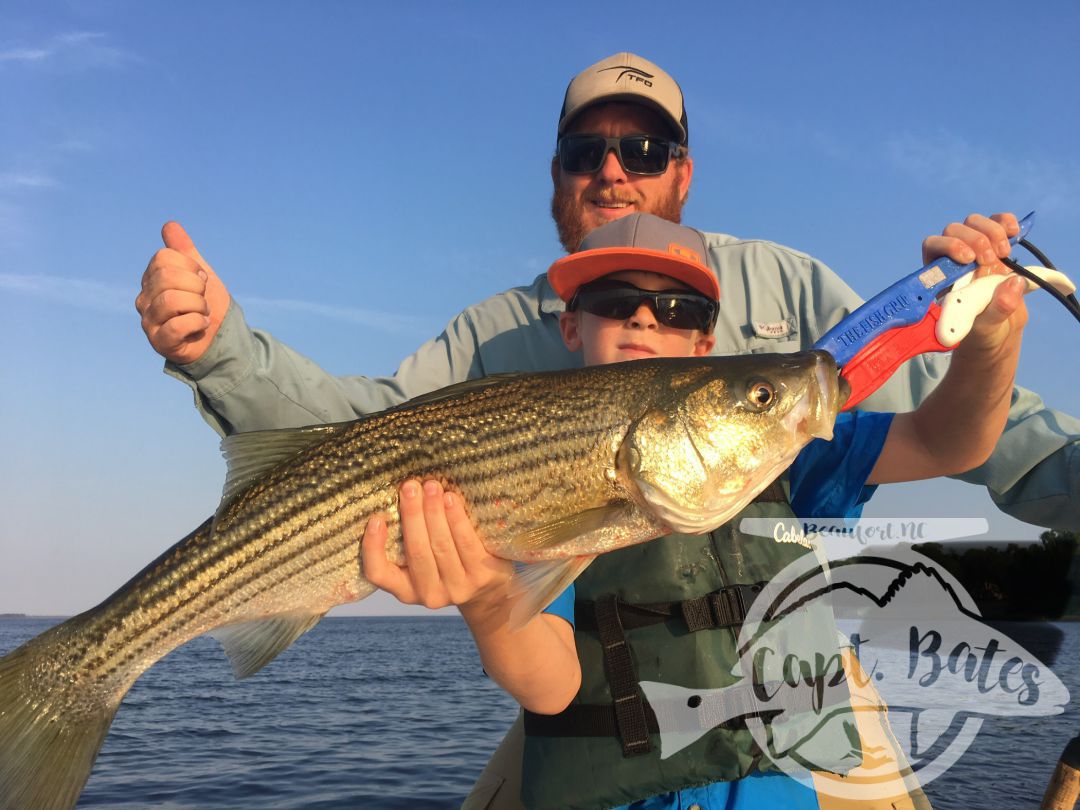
{"x": 781, "y": 335}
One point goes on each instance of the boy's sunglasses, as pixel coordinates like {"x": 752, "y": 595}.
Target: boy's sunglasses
{"x": 618, "y": 300}
{"x": 638, "y": 154}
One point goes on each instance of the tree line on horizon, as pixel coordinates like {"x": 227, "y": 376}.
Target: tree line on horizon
{"x": 1021, "y": 581}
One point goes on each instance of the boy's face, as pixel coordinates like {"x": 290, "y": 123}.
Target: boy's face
{"x": 605, "y": 340}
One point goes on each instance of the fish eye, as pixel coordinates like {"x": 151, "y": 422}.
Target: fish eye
{"x": 761, "y": 394}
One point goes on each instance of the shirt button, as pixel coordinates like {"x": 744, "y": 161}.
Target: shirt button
{"x": 694, "y": 807}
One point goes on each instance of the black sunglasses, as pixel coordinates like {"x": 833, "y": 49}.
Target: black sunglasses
{"x": 638, "y": 154}
{"x": 679, "y": 309}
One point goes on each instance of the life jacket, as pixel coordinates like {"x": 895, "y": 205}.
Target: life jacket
{"x": 678, "y": 603}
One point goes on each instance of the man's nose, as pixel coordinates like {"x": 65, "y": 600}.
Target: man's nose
{"x": 611, "y": 170}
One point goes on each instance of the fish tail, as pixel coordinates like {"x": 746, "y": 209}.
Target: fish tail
{"x": 46, "y": 750}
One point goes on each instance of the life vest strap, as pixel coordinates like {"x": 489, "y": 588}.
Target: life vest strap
{"x": 726, "y": 607}
{"x": 628, "y": 702}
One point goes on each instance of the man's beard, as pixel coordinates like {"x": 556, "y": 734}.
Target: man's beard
{"x": 569, "y": 213}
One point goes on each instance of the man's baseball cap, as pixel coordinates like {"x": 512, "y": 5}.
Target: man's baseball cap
{"x": 627, "y": 77}
{"x": 637, "y": 242}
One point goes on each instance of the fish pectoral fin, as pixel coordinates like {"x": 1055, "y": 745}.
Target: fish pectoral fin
{"x": 536, "y": 585}
{"x": 253, "y": 644}
{"x": 549, "y": 535}
{"x": 251, "y": 455}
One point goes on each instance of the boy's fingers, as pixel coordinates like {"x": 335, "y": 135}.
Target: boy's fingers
{"x": 469, "y": 548}
{"x": 441, "y": 539}
{"x": 418, "y": 555}
{"x": 377, "y": 569}
{"x": 423, "y": 570}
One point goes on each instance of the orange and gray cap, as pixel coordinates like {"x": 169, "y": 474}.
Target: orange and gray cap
{"x": 637, "y": 242}
{"x": 626, "y": 77}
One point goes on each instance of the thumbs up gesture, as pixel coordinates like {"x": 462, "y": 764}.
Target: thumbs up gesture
{"x": 182, "y": 302}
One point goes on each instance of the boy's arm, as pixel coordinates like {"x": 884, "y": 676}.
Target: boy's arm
{"x": 957, "y": 425}
{"x": 446, "y": 564}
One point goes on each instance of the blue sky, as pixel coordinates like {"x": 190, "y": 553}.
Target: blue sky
{"x": 357, "y": 173}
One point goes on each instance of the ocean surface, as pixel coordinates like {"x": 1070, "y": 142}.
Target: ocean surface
{"x": 396, "y": 713}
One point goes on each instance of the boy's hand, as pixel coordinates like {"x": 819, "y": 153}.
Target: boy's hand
{"x": 978, "y": 239}
{"x": 446, "y": 564}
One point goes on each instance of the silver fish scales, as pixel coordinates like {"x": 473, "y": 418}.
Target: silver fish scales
{"x": 554, "y": 469}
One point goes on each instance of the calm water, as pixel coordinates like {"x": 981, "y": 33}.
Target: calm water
{"x": 396, "y": 712}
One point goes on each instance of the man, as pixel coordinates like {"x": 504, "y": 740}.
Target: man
{"x": 774, "y": 299}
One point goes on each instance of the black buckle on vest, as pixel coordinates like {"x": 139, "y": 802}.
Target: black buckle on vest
{"x": 726, "y": 607}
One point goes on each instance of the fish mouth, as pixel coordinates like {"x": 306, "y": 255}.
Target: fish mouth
{"x": 845, "y": 392}
{"x": 829, "y": 395}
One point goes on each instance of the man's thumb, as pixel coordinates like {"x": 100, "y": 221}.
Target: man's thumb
{"x": 175, "y": 237}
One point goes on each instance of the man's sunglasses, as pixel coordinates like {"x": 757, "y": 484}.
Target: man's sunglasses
{"x": 638, "y": 154}
{"x": 618, "y": 300}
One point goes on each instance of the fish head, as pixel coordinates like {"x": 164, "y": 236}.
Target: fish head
{"x": 724, "y": 430}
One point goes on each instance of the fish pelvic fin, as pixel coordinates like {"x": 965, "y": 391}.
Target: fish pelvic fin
{"x": 536, "y": 585}
{"x": 251, "y": 645}
{"x": 46, "y": 753}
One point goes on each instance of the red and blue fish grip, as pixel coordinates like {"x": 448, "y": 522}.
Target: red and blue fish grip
{"x": 871, "y": 343}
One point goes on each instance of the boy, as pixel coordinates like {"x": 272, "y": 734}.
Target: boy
{"x": 637, "y": 288}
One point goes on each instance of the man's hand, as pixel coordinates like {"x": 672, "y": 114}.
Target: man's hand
{"x": 182, "y": 302}
{"x": 998, "y": 329}
{"x": 978, "y": 239}
{"x": 446, "y": 564}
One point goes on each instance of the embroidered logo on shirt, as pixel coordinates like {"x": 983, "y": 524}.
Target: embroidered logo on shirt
{"x": 775, "y": 329}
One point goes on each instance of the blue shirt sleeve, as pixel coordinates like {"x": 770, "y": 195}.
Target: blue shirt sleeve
{"x": 563, "y": 605}
{"x": 828, "y": 478}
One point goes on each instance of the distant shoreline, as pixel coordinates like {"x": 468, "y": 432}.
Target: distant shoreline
{"x": 12, "y": 616}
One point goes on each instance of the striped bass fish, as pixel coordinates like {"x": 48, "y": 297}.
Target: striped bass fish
{"x": 554, "y": 469}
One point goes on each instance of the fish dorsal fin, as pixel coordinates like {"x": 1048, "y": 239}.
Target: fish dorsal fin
{"x": 549, "y": 535}
{"x": 536, "y": 585}
{"x": 254, "y": 644}
{"x": 468, "y": 386}
{"x": 251, "y": 455}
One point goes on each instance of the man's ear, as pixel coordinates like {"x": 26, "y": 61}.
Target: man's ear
{"x": 571, "y": 333}
{"x": 555, "y": 171}
{"x": 703, "y": 345}
{"x": 686, "y": 172}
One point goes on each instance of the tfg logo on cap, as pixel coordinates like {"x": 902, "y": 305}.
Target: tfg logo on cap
{"x": 633, "y": 74}
{"x": 683, "y": 252}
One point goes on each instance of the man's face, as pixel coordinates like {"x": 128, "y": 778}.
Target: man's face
{"x": 582, "y": 202}
{"x": 607, "y": 340}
